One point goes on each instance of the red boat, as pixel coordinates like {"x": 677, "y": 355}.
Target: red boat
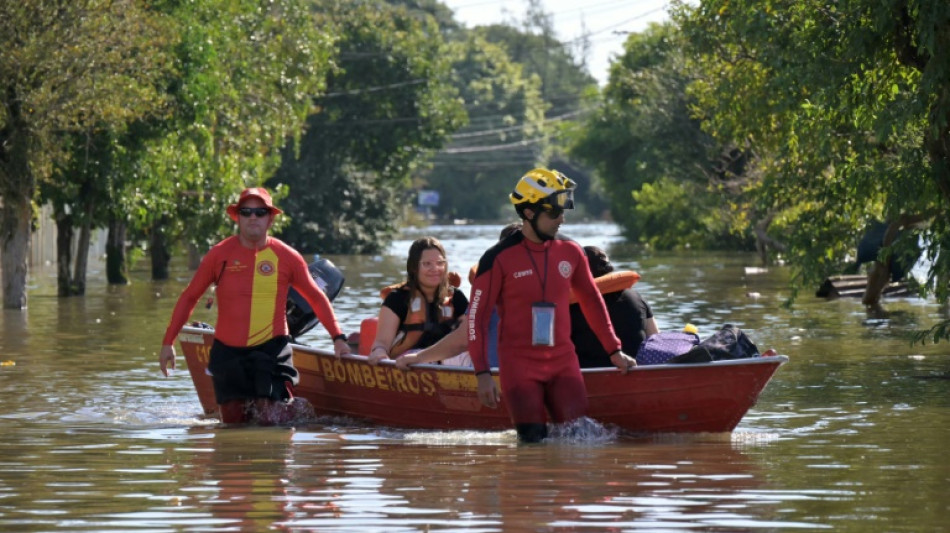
{"x": 702, "y": 397}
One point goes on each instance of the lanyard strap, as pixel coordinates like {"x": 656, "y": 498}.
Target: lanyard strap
{"x": 542, "y": 279}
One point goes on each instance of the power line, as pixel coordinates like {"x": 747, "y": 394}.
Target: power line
{"x": 482, "y": 133}
{"x": 627, "y": 21}
{"x": 365, "y": 90}
{"x": 490, "y": 148}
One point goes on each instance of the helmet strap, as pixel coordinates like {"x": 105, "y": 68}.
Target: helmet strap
{"x": 534, "y": 225}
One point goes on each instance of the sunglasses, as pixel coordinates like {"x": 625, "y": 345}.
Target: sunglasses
{"x": 555, "y": 204}
{"x": 260, "y": 212}
{"x": 552, "y": 211}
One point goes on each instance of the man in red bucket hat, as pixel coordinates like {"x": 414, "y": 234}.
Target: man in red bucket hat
{"x": 251, "y": 360}
{"x": 253, "y": 192}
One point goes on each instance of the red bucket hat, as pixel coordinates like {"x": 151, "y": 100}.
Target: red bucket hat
{"x": 253, "y": 192}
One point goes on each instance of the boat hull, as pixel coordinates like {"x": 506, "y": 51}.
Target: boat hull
{"x": 705, "y": 397}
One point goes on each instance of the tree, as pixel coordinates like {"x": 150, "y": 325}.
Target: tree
{"x": 80, "y": 201}
{"x": 441, "y": 13}
{"x": 66, "y": 67}
{"x": 520, "y": 85}
{"x": 849, "y": 106}
{"x": 669, "y": 184}
{"x": 533, "y": 43}
{"x": 566, "y": 87}
{"x": 387, "y": 104}
{"x": 247, "y": 73}
{"x": 504, "y": 138}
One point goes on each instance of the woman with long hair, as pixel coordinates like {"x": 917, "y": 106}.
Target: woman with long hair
{"x": 420, "y": 311}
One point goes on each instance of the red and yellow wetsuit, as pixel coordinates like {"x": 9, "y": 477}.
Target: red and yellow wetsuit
{"x": 251, "y": 292}
{"x": 510, "y": 278}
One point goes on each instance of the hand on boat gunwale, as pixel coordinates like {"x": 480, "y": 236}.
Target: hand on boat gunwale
{"x": 488, "y": 392}
{"x": 377, "y": 354}
{"x": 341, "y": 348}
{"x": 166, "y": 358}
{"x": 404, "y": 360}
{"x": 623, "y": 361}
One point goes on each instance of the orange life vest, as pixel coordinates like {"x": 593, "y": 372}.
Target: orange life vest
{"x": 613, "y": 282}
{"x": 416, "y": 321}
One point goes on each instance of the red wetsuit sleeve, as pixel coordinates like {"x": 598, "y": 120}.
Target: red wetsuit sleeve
{"x": 203, "y": 277}
{"x": 303, "y": 282}
{"x": 485, "y": 290}
{"x": 594, "y": 308}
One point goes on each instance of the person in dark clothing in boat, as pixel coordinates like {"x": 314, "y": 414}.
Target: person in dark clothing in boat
{"x": 631, "y": 316}
{"x": 529, "y": 278}
{"x": 421, "y": 311}
{"x": 251, "y": 360}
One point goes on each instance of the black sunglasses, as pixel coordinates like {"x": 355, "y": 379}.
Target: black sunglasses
{"x": 553, "y": 211}
{"x": 555, "y": 204}
{"x": 260, "y": 212}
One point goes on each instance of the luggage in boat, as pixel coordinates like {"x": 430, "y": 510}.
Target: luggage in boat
{"x": 729, "y": 342}
{"x": 660, "y": 347}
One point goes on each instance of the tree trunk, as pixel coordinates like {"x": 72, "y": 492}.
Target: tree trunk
{"x": 880, "y": 273}
{"x": 117, "y": 272}
{"x": 160, "y": 255}
{"x": 16, "y": 213}
{"x": 64, "y": 258}
{"x": 17, "y": 185}
{"x": 194, "y": 257}
{"x": 763, "y": 242}
{"x": 878, "y": 278}
{"x": 82, "y": 254}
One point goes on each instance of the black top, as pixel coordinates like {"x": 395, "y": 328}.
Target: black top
{"x": 398, "y": 301}
{"x": 627, "y": 312}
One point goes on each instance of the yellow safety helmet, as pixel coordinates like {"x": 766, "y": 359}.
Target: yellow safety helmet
{"x": 544, "y": 187}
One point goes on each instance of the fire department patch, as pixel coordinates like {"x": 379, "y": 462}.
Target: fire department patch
{"x": 265, "y": 268}
{"x": 564, "y": 268}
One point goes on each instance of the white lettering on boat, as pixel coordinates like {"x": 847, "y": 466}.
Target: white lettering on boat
{"x": 473, "y": 312}
{"x": 191, "y": 337}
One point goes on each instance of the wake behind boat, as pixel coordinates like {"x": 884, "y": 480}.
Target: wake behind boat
{"x": 680, "y": 398}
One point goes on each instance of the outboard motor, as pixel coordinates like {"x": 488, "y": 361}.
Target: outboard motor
{"x": 300, "y": 316}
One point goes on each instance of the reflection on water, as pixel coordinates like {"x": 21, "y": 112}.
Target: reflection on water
{"x": 852, "y": 429}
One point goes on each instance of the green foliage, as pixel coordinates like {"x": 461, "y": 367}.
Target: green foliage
{"x": 848, "y": 103}
{"x": 669, "y": 184}
{"x": 69, "y": 72}
{"x": 659, "y": 210}
{"x": 676, "y": 215}
{"x": 501, "y": 141}
{"x": 535, "y": 47}
{"x": 939, "y": 331}
{"x": 388, "y": 103}
{"x": 520, "y": 86}
{"x": 246, "y": 74}
{"x": 443, "y": 16}
{"x": 243, "y": 77}
{"x": 71, "y": 68}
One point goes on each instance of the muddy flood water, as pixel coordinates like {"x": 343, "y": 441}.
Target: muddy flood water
{"x": 850, "y": 435}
